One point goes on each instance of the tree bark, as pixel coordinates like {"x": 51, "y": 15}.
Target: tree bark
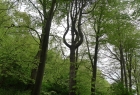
{"x": 130, "y": 71}
{"x": 121, "y": 64}
{"x": 124, "y": 67}
{"x": 136, "y": 76}
{"x": 94, "y": 67}
{"x": 34, "y": 72}
{"x": 44, "y": 49}
{"x": 72, "y": 76}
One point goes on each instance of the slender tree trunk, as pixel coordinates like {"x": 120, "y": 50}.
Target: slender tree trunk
{"x": 122, "y": 81}
{"x": 44, "y": 49}
{"x": 130, "y": 82}
{"x": 130, "y": 74}
{"x": 94, "y": 66}
{"x": 136, "y": 75}
{"x": 124, "y": 67}
{"x": 137, "y": 88}
{"x": 125, "y": 77}
{"x": 136, "y": 81}
{"x": 121, "y": 64}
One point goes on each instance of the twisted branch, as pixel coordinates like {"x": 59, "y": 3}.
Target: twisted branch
{"x": 64, "y": 36}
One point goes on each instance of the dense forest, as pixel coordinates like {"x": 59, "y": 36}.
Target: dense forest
{"x": 69, "y": 47}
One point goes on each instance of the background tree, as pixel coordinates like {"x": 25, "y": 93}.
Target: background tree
{"x": 74, "y": 18}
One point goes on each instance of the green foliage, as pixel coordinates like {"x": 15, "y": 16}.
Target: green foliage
{"x": 17, "y": 51}
{"x": 119, "y": 89}
{"x": 5, "y": 20}
{"x": 102, "y": 85}
{"x": 56, "y": 74}
{"x": 13, "y": 92}
{"x": 58, "y": 88}
{"x": 83, "y": 79}
{"x": 21, "y": 18}
{"x": 56, "y": 77}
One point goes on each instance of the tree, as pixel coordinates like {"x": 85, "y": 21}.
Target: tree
{"x": 96, "y": 24}
{"x": 75, "y": 11}
{"x": 47, "y": 16}
{"x": 123, "y": 47}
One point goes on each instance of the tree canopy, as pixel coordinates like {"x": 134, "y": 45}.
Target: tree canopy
{"x": 69, "y": 47}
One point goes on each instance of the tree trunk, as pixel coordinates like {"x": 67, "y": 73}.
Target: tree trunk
{"x": 34, "y": 72}
{"x": 94, "y": 67}
{"x": 124, "y": 67}
{"x": 125, "y": 77}
{"x": 122, "y": 81}
{"x": 136, "y": 77}
{"x": 130, "y": 73}
{"x": 72, "y": 76}
{"x": 137, "y": 87}
{"x": 44, "y": 49}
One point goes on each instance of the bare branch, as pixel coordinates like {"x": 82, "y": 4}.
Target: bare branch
{"x": 41, "y": 14}
{"x": 113, "y": 54}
